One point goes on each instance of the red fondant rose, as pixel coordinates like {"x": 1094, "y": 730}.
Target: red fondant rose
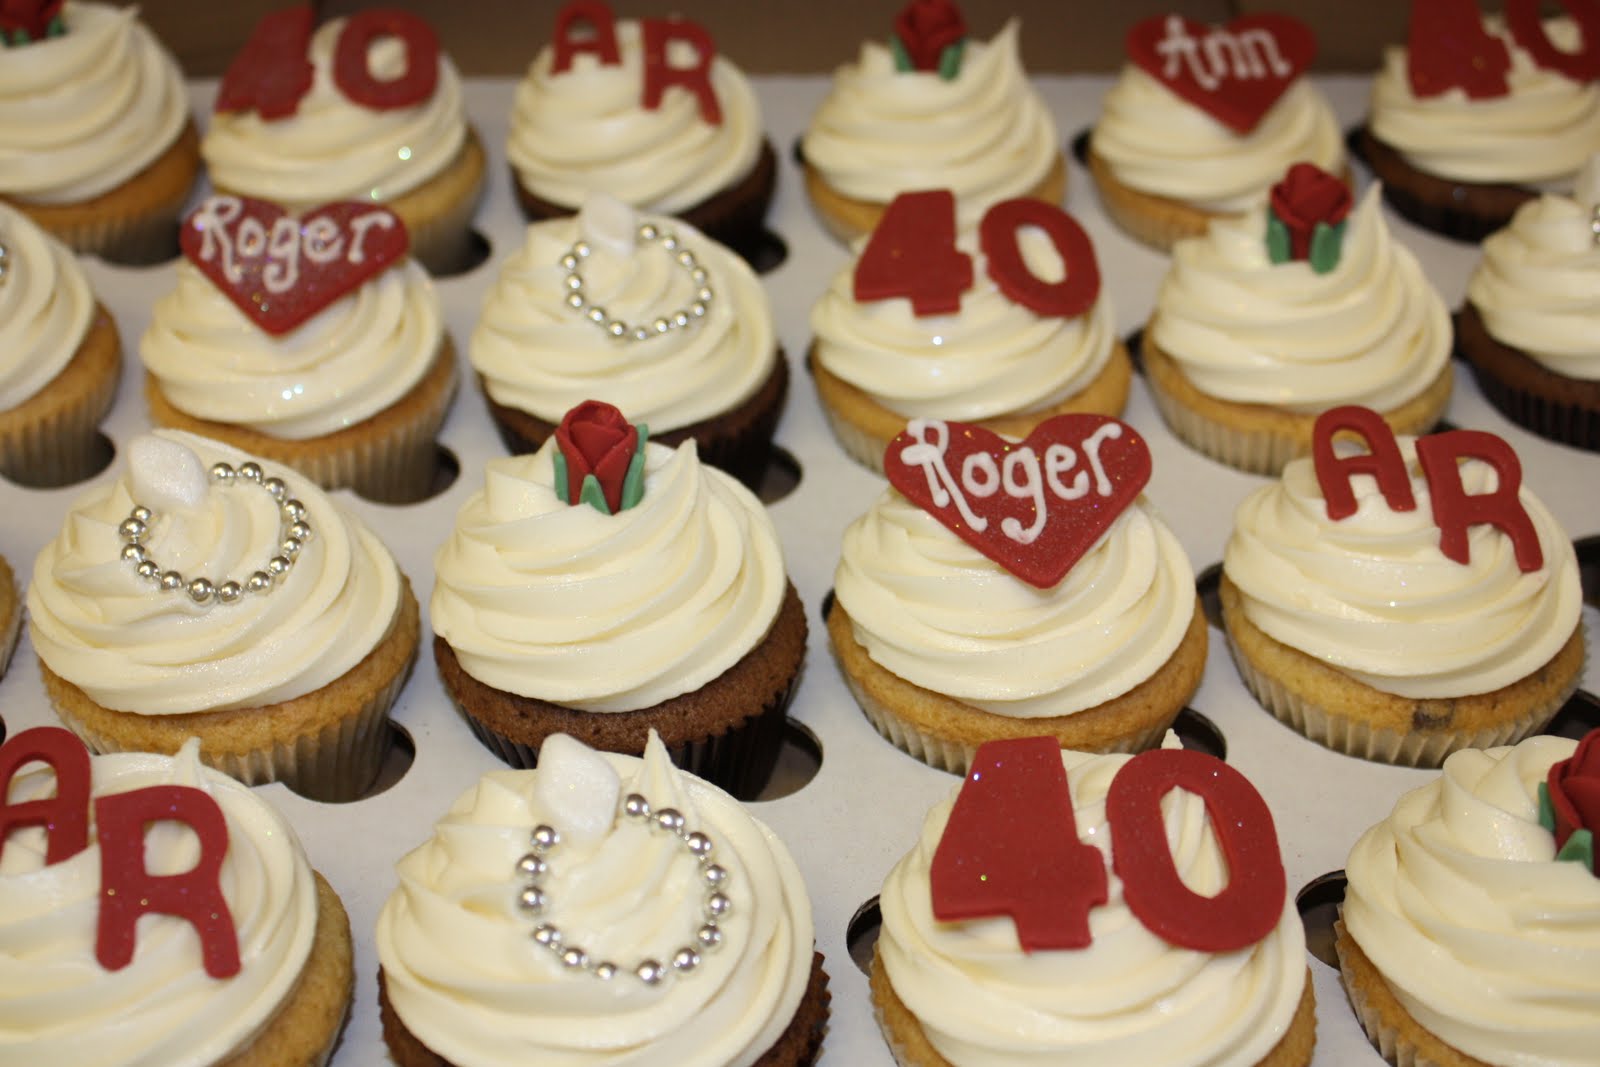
{"x": 595, "y": 439}
{"x": 926, "y": 28}
{"x": 1574, "y": 786}
{"x": 1306, "y": 196}
{"x": 28, "y": 18}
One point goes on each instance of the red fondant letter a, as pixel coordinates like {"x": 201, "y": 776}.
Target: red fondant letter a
{"x": 602, "y": 40}
{"x": 1382, "y": 460}
{"x": 1454, "y": 510}
{"x": 659, "y": 73}
{"x": 128, "y": 890}
{"x": 65, "y": 816}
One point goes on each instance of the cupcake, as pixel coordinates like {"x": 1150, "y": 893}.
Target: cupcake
{"x": 644, "y": 313}
{"x": 200, "y": 593}
{"x": 1404, "y": 598}
{"x": 605, "y": 587}
{"x": 322, "y": 349}
{"x": 1186, "y": 137}
{"x": 1061, "y": 606}
{"x": 646, "y": 111}
{"x": 1269, "y": 320}
{"x": 60, "y": 359}
{"x": 1469, "y": 120}
{"x": 1528, "y": 328}
{"x": 599, "y": 909}
{"x": 929, "y": 109}
{"x": 96, "y": 143}
{"x": 10, "y": 615}
{"x": 365, "y": 108}
{"x": 1006, "y": 938}
{"x": 243, "y": 958}
{"x": 986, "y": 343}
{"x": 1468, "y": 933}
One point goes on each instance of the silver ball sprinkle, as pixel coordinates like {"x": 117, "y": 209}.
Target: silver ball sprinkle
{"x": 200, "y": 590}
{"x": 132, "y": 529}
{"x": 596, "y": 315}
{"x": 300, "y": 531}
{"x": 714, "y": 875}
{"x": 140, "y": 512}
{"x": 681, "y": 319}
{"x": 222, "y": 473}
{"x": 670, "y": 819}
{"x": 581, "y": 250}
{"x": 275, "y": 488}
{"x": 648, "y": 232}
{"x": 718, "y": 906}
{"x": 650, "y": 972}
{"x": 641, "y": 333}
{"x": 685, "y": 960}
{"x": 661, "y": 326}
{"x": 605, "y": 971}
{"x": 547, "y": 935}
{"x": 531, "y": 899}
{"x": 569, "y": 262}
{"x": 134, "y": 553}
{"x": 229, "y": 592}
{"x": 573, "y": 282}
{"x": 617, "y": 329}
{"x": 258, "y": 582}
{"x": 149, "y": 570}
{"x": 171, "y": 581}
{"x": 532, "y": 865}
{"x": 636, "y": 807}
{"x": 575, "y": 301}
{"x": 278, "y": 566}
{"x": 686, "y": 260}
{"x": 699, "y": 276}
{"x": 704, "y": 295}
{"x": 250, "y": 472}
{"x": 545, "y": 838}
{"x": 699, "y": 845}
{"x": 709, "y": 936}
{"x": 697, "y": 310}
{"x": 574, "y": 958}
{"x": 290, "y": 547}
{"x": 292, "y": 510}
{"x": 669, "y": 242}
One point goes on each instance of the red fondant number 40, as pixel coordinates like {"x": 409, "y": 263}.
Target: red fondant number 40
{"x": 1011, "y": 848}
{"x": 913, "y": 254}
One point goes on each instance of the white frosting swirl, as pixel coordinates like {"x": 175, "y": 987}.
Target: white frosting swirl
{"x": 607, "y": 612}
{"x": 986, "y": 134}
{"x": 1158, "y": 143}
{"x": 45, "y": 308}
{"x": 538, "y": 355}
{"x": 993, "y": 357}
{"x": 333, "y": 148}
{"x": 1536, "y": 284}
{"x": 1373, "y": 595}
{"x": 343, "y": 365}
{"x": 1539, "y": 133}
{"x": 59, "y": 1005}
{"x": 587, "y": 130}
{"x": 1372, "y": 331}
{"x": 468, "y": 981}
{"x": 132, "y": 648}
{"x": 1457, "y": 899}
{"x": 935, "y": 611}
{"x": 82, "y": 113}
{"x": 1129, "y": 998}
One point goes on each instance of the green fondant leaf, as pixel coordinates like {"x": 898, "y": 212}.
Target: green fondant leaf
{"x": 1327, "y": 243}
{"x": 1278, "y": 249}
{"x": 902, "y": 58}
{"x": 950, "y": 61}
{"x": 633, "y": 481}
{"x": 563, "y": 490}
{"x": 593, "y": 495}
{"x": 1547, "y": 811}
{"x": 1579, "y": 848}
{"x": 57, "y": 27}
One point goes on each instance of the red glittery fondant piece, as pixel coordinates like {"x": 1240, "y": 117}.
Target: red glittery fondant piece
{"x": 1011, "y": 848}
{"x": 925, "y": 28}
{"x": 1306, "y": 197}
{"x": 1033, "y": 507}
{"x": 1574, "y": 788}
{"x": 64, "y": 816}
{"x": 280, "y": 269}
{"x": 1527, "y": 29}
{"x": 601, "y": 40}
{"x": 1382, "y": 461}
{"x": 660, "y": 72}
{"x": 1455, "y": 510}
{"x": 271, "y": 73}
{"x": 1251, "y": 904}
{"x": 29, "y": 18}
{"x": 1448, "y": 48}
{"x": 1077, "y": 290}
{"x": 912, "y": 253}
{"x": 596, "y": 439}
{"x": 1234, "y": 72}
{"x": 352, "y": 72}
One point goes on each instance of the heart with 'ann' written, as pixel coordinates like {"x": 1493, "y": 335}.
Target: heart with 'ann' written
{"x": 1234, "y": 72}
{"x": 1034, "y": 506}
{"x": 281, "y": 269}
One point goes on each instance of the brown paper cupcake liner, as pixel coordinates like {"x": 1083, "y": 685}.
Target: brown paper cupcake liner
{"x": 1356, "y": 738}
{"x": 1570, "y": 424}
{"x": 1466, "y": 211}
{"x": 53, "y": 438}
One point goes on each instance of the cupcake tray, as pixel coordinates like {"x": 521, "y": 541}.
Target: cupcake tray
{"x": 847, "y": 803}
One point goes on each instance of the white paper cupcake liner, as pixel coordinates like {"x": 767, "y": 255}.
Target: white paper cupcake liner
{"x": 1252, "y": 452}
{"x": 857, "y": 443}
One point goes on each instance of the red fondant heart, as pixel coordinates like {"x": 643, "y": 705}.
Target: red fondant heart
{"x": 280, "y": 269}
{"x": 1234, "y": 72}
{"x": 1033, "y": 507}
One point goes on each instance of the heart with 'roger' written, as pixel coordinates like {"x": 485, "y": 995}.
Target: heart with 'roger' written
{"x": 1033, "y": 506}
{"x": 1234, "y": 72}
{"x": 281, "y": 269}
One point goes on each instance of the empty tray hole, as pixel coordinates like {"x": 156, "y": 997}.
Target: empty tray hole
{"x": 780, "y": 478}
{"x": 765, "y": 250}
{"x": 397, "y": 760}
{"x": 827, "y": 605}
{"x": 799, "y": 760}
{"x": 1588, "y": 550}
{"x": 861, "y": 936}
{"x": 468, "y": 257}
{"x": 446, "y": 469}
{"x": 1579, "y": 715}
{"x": 1080, "y": 146}
{"x": 1318, "y": 903}
{"x": 1208, "y": 584}
{"x": 1134, "y": 343}
{"x": 98, "y": 457}
{"x": 1200, "y": 734}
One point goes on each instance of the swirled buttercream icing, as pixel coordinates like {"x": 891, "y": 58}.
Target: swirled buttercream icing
{"x": 993, "y": 357}
{"x": 1154, "y": 141}
{"x": 1481, "y": 935}
{"x": 345, "y": 364}
{"x": 607, "y": 612}
{"x": 935, "y": 611}
{"x": 986, "y": 134}
{"x": 45, "y": 308}
{"x": 1372, "y": 331}
{"x": 131, "y": 647}
{"x": 83, "y": 112}
{"x": 1129, "y": 997}
{"x": 333, "y": 148}
{"x": 1375, "y": 597}
{"x": 538, "y": 354}
{"x": 465, "y": 977}
{"x": 1535, "y": 286}
{"x": 586, "y": 130}
{"x": 59, "y": 1005}
{"x": 1539, "y": 133}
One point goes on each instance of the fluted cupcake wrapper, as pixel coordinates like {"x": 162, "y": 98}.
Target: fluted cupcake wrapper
{"x": 1356, "y": 738}
{"x": 62, "y": 445}
{"x": 1253, "y": 452}
{"x": 1571, "y": 424}
{"x": 857, "y": 443}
